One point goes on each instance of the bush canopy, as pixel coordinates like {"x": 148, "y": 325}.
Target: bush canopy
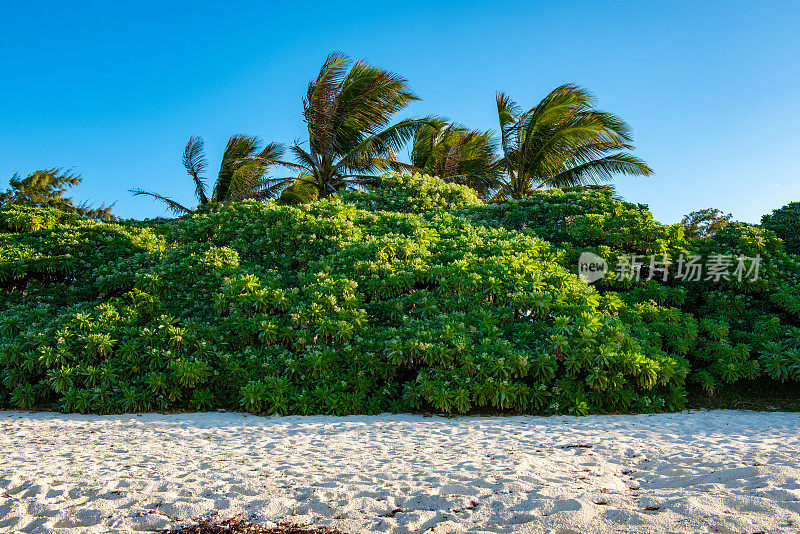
{"x": 410, "y": 296}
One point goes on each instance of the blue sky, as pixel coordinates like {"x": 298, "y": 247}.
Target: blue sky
{"x": 711, "y": 89}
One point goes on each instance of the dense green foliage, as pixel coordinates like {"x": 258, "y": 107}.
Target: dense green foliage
{"x": 412, "y": 194}
{"x": 728, "y": 329}
{"x": 785, "y": 222}
{"x": 412, "y": 296}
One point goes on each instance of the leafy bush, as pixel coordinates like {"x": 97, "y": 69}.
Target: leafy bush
{"x": 785, "y": 222}
{"x": 410, "y": 296}
{"x": 412, "y": 194}
{"x": 30, "y": 219}
{"x": 581, "y": 219}
{"x": 323, "y": 308}
{"x": 729, "y": 330}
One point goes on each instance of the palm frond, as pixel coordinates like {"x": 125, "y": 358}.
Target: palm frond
{"x": 245, "y": 179}
{"x": 272, "y": 153}
{"x": 347, "y": 109}
{"x": 270, "y": 156}
{"x": 47, "y": 188}
{"x": 239, "y": 148}
{"x": 306, "y": 160}
{"x": 458, "y": 155}
{"x": 319, "y": 104}
{"x": 266, "y": 188}
{"x": 301, "y": 190}
{"x": 369, "y": 97}
{"x": 426, "y": 139}
{"x": 172, "y": 205}
{"x": 380, "y": 147}
{"x": 599, "y": 171}
{"x": 194, "y": 160}
{"x": 389, "y": 164}
{"x": 507, "y": 110}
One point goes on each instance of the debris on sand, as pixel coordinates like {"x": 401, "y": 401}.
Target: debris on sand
{"x": 240, "y": 526}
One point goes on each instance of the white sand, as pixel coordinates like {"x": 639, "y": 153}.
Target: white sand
{"x": 721, "y": 471}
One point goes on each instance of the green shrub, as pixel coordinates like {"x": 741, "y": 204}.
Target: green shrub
{"x": 322, "y": 308}
{"x": 412, "y": 194}
{"x": 785, "y": 222}
{"x": 412, "y": 296}
{"x": 23, "y": 219}
{"x": 582, "y": 219}
{"x": 592, "y": 220}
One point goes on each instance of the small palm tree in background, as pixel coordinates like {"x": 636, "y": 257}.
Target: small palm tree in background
{"x": 46, "y": 188}
{"x": 348, "y": 108}
{"x": 458, "y": 155}
{"x": 562, "y": 142}
{"x": 243, "y": 173}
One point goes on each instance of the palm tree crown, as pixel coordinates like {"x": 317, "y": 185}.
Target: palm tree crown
{"x": 242, "y": 173}
{"x": 348, "y": 111}
{"x": 458, "y": 155}
{"x": 562, "y": 142}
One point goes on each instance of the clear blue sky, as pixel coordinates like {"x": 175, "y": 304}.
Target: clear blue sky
{"x": 712, "y": 90}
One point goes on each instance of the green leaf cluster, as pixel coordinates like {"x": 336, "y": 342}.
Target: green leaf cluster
{"x": 785, "y": 222}
{"x": 320, "y": 308}
{"x": 729, "y": 330}
{"x": 409, "y": 296}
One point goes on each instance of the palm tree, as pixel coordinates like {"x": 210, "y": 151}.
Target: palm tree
{"x": 242, "y": 173}
{"x": 347, "y": 111}
{"x": 458, "y": 155}
{"x": 46, "y": 188}
{"x": 562, "y": 142}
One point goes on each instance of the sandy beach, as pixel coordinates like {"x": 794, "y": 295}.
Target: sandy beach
{"x": 720, "y": 471}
